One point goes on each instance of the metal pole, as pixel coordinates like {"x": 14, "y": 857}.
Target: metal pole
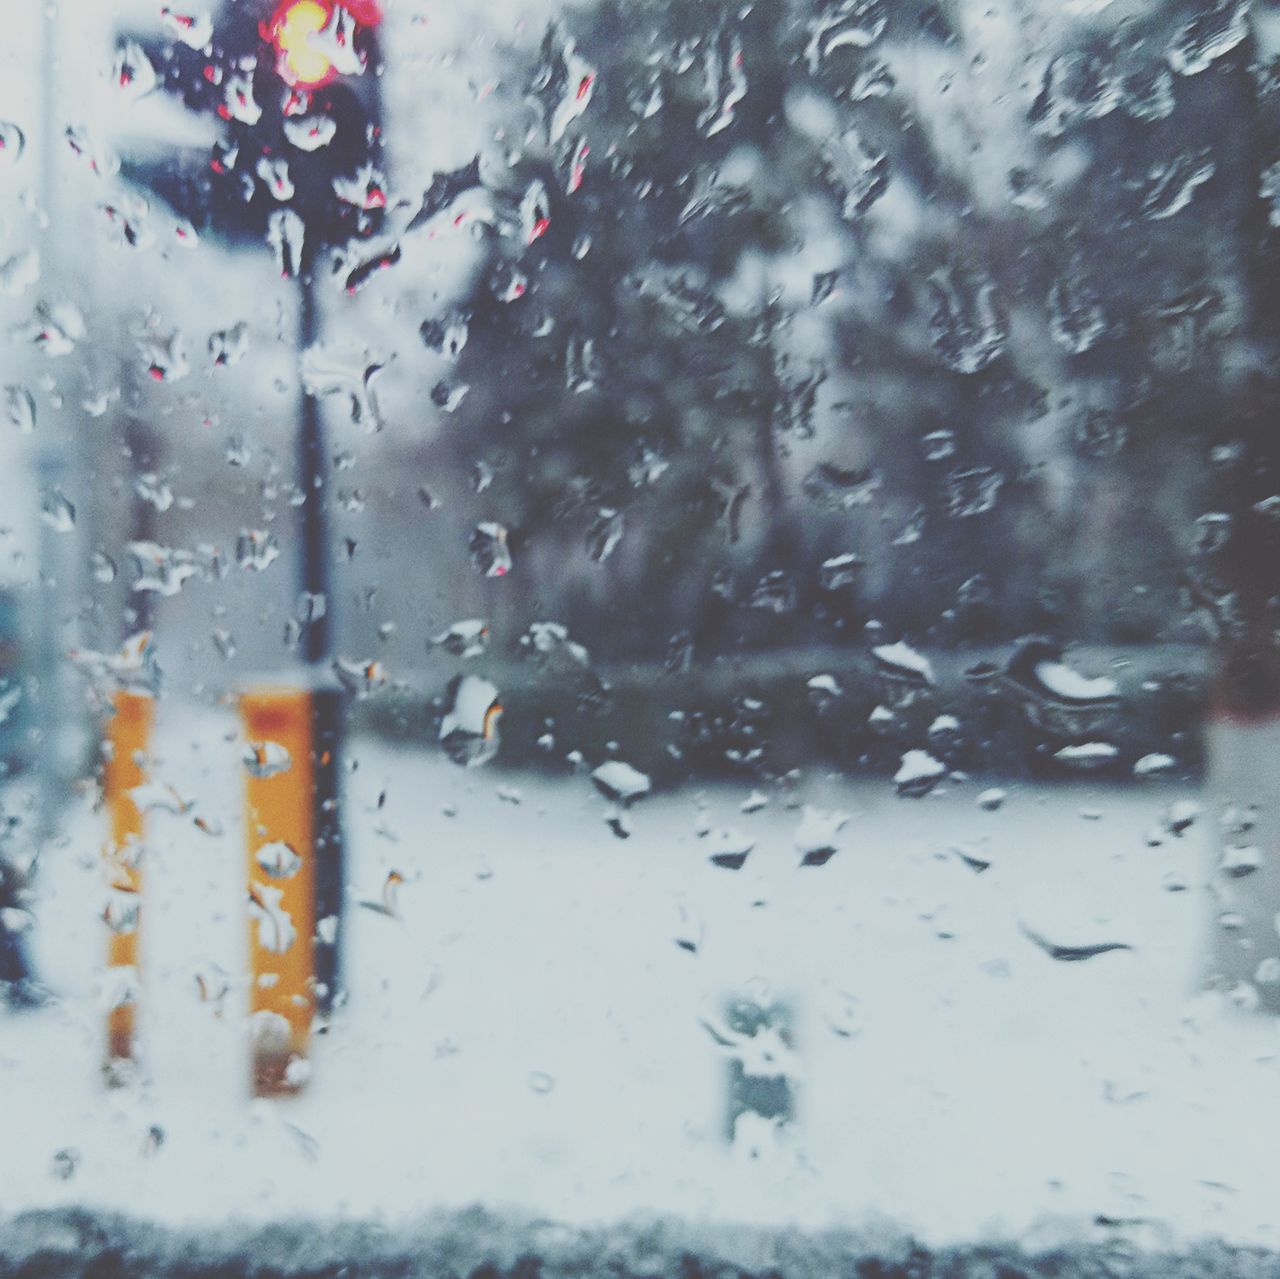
{"x": 328, "y": 699}
{"x": 317, "y": 636}
{"x": 16, "y": 983}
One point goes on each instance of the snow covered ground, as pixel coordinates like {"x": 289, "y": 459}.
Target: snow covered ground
{"x": 530, "y": 1035}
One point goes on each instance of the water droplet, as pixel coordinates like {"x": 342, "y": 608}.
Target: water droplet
{"x": 447, "y": 336}
{"x": 297, "y": 1073}
{"x": 19, "y": 272}
{"x": 1239, "y": 860}
{"x": 581, "y": 367}
{"x": 1147, "y": 94}
{"x": 239, "y": 102}
{"x": 161, "y": 569}
{"x": 563, "y": 84}
{"x": 859, "y": 176}
{"x": 286, "y": 236}
{"x": 55, "y": 329}
{"x": 360, "y": 677}
{"x": 841, "y": 1013}
{"x": 550, "y": 643}
{"x": 449, "y": 396}
{"x": 972, "y": 492}
{"x": 273, "y": 173}
{"x": 256, "y": 549}
{"x": 195, "y": 30}
{"x": 465, "y": 639}
{"x": 839, "y": 487}
{"x": 229, "y": 346}
{"x": 361, "y": 269}
{"x": 132, "y": 72}
{"x": 469, "y": 727}
{"x": 1169, "y": 187}
{"x": 122, "y": 909}
{"x": 541, "y": 1082}
{"x": 689, "y": 932}
{"x": 1076, "y": 319}
{"x": 844, "y": 24}
{"x": 489, "y": 551}
{"x": 278, "y": 860}
{"x": 841, "y": 571}
{"x": 165, "y": 357}
{"x": 918, "y": 774}
{"x": 103, "y": 567}
{"x": 154, "y": 491}
{"x": 276, "y": 931}
{"x": 967, "y": 326}
{"x": 774, "y": 593}
{"x": 310, "y": 132}
{"x": 1076, "y": 87}
{"x": 327, "y": 371}
{"x": 1087, "y": 755}
{"x": 160, "y": 797}
{"x": 729, "y": 848}
{"x": 265, "y": 759}
{"x": 815, "y": 837}
{"x": 1099, "y": 434}
{"x": 508, "y": 283}
{"x": 1208, "y": 36}
{"x": 367, "y": 190}
{"x": 101, "y": 161}
{"x": 57, "y": 511}
{"x": 1026, "y": 191}
{"x": 20, "y": 408}
{"x": 725, "y": 82}
{"x": 605, "y": 533}
{"x": 12, "y": 143}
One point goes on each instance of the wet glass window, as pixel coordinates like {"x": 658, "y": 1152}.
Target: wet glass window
{"x": 639, "y": 611}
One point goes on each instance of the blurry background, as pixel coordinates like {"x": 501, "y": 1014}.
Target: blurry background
{"x": 842, "y": 323}
{"x": 753, "y": 396}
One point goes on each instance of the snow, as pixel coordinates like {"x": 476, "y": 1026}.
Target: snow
{"x": 528, "y": 1034}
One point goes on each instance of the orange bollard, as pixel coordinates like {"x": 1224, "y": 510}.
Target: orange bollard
{"x": 281, "y": 831}
{"x": 128, "y": 733}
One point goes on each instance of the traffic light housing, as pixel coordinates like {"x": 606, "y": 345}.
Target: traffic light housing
{"x": 293, "y": 86}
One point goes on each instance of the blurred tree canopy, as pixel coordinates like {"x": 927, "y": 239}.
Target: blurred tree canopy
{"x": 946, "y": 314}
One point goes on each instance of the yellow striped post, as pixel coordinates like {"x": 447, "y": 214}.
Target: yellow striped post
{"x": 128, "y": 734}
{"x": 280, "y": 823}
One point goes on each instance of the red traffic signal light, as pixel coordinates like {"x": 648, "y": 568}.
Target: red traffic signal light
{"x": 314, "y": 40}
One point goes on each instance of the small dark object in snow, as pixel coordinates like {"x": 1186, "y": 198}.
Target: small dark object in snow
{"x": 730, "y": 861}
{"x": 619, "y": 827}
{"x": 1073, "y": 954}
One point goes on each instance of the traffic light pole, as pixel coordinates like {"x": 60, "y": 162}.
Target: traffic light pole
{"x": 328, "y": 706}
{"x": 317, "y": 636}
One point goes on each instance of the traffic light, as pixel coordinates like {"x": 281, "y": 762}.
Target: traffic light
{"x": 293, "y": 88}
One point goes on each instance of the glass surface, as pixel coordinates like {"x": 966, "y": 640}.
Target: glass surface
{"x": 642, "y": 608}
